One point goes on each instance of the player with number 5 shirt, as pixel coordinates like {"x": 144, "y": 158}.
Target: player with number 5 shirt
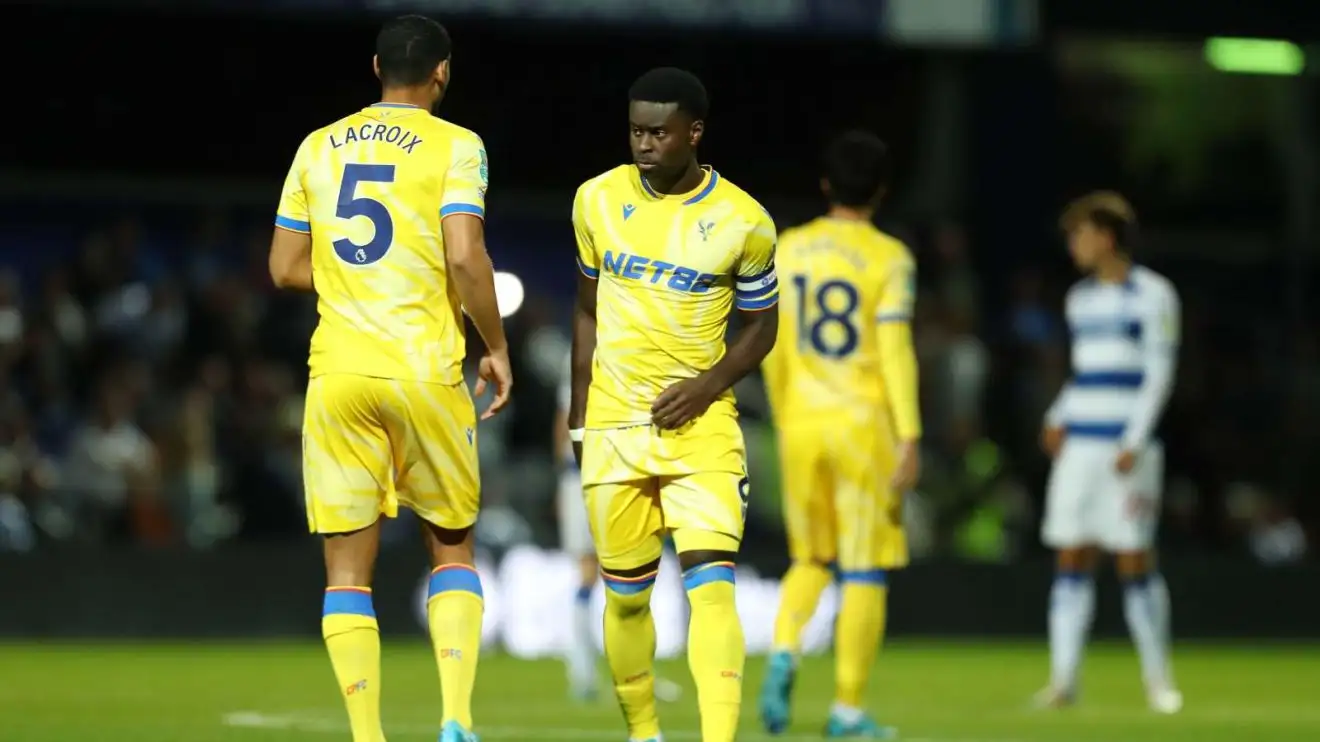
{"x": 842, "y": 383}
{"x": 382, "y": 215}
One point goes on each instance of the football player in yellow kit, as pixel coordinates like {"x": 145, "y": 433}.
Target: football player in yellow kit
{"x": 842, "y": 383}
{"x": 667, "y": 249}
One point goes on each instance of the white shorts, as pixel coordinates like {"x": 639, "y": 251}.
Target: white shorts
{"x": 574, "y": 530}
{"x": 1090, "y": 504}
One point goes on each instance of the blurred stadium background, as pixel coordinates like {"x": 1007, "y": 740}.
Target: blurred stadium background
{"x": 156, "y": 581}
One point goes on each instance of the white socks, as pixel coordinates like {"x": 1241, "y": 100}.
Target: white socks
{"x": 1072, "y": 608}
{"x": 1146, "y": 606}
{"x": 581, "y": 656}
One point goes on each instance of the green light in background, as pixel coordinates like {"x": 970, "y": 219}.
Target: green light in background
{"x": 1255, "y": 56}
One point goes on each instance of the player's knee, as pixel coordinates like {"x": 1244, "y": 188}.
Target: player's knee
{"x": 350, "y": 557}
{"x": 1134, "y": 566}
{"x": 826, "y": 563}
{"x": 628, "y": 590}
{"x": 1076, "y": 561}
{"x": 449, "y": 545}
{"x": 588, "y": 569}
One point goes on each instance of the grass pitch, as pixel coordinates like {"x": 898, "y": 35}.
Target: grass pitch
{"x": 934, "y": 692}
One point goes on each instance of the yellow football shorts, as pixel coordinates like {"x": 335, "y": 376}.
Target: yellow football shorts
{"x": 642, "y": 482}
{"x": 371, "y": 445}
{"x": 838, "y": 503}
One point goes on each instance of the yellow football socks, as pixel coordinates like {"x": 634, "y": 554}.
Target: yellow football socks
{"x": 858, "y": 633}
{"x": 798, "y": 598}
{"x": 348, "y": 623}
{"x": 454, "y": 609}
{"x": 716, "y": 648}
{"x": 630, "y": 650}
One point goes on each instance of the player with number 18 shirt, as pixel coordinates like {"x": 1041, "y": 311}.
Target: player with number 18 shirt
{"x": 843, "y": 389}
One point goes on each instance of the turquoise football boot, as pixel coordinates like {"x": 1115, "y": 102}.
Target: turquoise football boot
{"x": 862, "y": 728}
{"x": 777, "y": 692}
{"x": 452, "y": 731}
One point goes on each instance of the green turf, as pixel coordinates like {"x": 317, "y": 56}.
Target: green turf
{"x": 245, "y": 692}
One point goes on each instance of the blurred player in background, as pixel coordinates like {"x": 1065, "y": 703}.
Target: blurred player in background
{"x": 667, "y": 248}
{"x": 1104, "y": 490}
{"x": 842, "y": 384}
{"x": 575, "y": 539}
{"x": 382, "y": 215}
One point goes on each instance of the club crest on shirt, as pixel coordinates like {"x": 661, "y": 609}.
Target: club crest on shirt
{"x": 705, "y": 228}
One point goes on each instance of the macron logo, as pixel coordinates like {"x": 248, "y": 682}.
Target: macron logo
{"x": 628, "y": 210}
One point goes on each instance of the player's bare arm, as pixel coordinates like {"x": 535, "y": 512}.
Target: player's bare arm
{"x": 290, "y": 259}
{"x": 474, "y": 279}
{"x": 685, "y": 401}
{"x": 584, "y": 348}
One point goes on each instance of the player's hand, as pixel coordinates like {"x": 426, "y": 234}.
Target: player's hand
{"x": 496, "y": 371}
{"x": 1126, "y": 460}
{"x": 682, "y": 403}
{"x": 1051, "y": 440}
{"x": 909, "y": 468}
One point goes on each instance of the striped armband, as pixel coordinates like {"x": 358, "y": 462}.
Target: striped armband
{"x": 760, "y": 291}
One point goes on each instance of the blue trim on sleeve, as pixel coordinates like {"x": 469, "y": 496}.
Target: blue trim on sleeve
{"x": 587, "y": 270}
{"x": 452, "y": 209}
{"x": 293, "y": 225}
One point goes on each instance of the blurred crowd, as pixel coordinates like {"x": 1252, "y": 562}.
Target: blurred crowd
{"x": 152, "y": 394}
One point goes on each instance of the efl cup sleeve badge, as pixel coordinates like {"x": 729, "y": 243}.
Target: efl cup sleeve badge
{"x": 484, "y": 170}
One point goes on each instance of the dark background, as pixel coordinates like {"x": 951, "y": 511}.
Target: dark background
{"x": 152, "y": 384}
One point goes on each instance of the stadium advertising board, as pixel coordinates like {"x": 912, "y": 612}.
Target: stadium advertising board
{"x": 529, "y": 598}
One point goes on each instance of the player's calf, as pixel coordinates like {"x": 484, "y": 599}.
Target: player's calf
{"x": 348, "y": 624}
{"x": 630, "y": 644}
{"x": 858, "y": 634}
{"x": 1071, "y": 611}
{"x": 1146, "y": 607}
{"x": 717, "y": 650}
{"x": 454, "y": 608}
{"x": 799, "y": 596}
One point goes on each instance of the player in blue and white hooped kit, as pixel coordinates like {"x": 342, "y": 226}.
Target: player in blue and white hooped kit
{"x": 1105, "y": 485}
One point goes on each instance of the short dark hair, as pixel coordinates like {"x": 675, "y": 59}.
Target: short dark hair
{"x": 672, "y": 85}
{"x": 409, "y": 48}
{"x": 857, "y": 168}
{"x": 1107, "y": 210}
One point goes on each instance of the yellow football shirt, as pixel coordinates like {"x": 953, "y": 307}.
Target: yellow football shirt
{"x": 670, "y": 268}
{"x": 846, "y": 284}
{"x": 372, "y": 189}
